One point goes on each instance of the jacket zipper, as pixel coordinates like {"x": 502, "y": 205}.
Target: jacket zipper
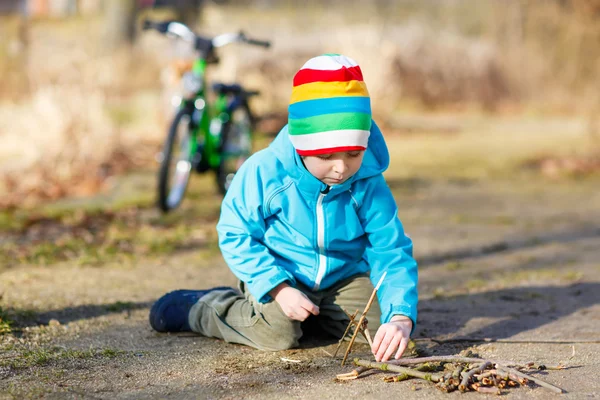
{"x": 321, "y": 239}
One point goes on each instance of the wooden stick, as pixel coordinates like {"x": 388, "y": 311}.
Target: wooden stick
{"x": 466, "y": 376}
{"x": 368, "y": 336}
{"x": 346, "y": 332}
{"x": 397, "y": 368}
{"x": 502, "y": 371}
{"x": 352, "y": 375}
{"x": 540, "y": 382}
{"x": 363, "y": 316}
{"x": 397, "y": 378}
{"x": 456, "y": 359}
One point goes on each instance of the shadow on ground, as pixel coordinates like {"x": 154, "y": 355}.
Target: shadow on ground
{"x": 493, "y": 314}
{"x": 504, "y": 313}
{"x": 581, "y": 233}
{"x": 26, "y": 318}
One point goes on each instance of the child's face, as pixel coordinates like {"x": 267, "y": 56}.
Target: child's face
{"x": 334, "y": 168}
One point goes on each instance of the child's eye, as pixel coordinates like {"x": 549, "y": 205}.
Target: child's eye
{"x": 353, "y": 154}
{"x": 324, "y": 156}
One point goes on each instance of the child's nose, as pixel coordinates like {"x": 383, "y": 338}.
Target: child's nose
{"x": 339, "y": 166}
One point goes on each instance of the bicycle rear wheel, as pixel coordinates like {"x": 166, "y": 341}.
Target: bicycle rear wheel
{"x": 176, "y": 163}
{"x": 236, "y": 146}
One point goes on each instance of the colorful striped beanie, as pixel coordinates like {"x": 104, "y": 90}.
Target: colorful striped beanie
{"x": 330, "y": 108}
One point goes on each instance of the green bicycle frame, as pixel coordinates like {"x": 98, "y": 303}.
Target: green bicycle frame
{"x": 207, "y": 131}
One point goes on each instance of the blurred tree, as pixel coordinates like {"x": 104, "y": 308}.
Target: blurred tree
{"x": 588, "y": 60}
{"x": 121, "y": 17}
{"x": 120, "y": 22}
{"x": 14, "y": 46}
{"x": 186, "y": 11}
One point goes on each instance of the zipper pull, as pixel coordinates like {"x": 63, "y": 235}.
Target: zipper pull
{"x": 326, "y": 190}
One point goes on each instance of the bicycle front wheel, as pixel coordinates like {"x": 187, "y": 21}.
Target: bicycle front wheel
{"x": 236, "y": 146}
{"x": 175, "y": 163}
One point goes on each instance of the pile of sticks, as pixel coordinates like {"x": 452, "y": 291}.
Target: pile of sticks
{"x": 450, "y": 373}
{"x": 464, "y": 372}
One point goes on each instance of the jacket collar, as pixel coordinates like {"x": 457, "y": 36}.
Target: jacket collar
{"x": 375, "y": 161}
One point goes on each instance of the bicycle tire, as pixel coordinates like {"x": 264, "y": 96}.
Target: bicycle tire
{"x": 232, "y": 131}
{"x": 170, "y": 196}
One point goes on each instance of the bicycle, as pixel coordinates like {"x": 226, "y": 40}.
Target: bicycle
{"x": 210, "y": 136}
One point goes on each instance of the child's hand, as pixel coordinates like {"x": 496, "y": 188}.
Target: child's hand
{"x": 392, "y": 338}
{"x": 293, "y": 302}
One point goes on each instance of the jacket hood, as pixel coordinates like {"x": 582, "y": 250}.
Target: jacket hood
{"x": 375, "y": 161}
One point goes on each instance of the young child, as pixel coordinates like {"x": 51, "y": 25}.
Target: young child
{"x": 308, "y": 226}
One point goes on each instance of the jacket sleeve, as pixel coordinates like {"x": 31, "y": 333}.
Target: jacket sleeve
{"x": 390, "y": 250}
{"x": 241, "y": 229}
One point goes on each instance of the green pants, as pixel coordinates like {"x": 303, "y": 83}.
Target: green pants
{"x": 240, "y": 318}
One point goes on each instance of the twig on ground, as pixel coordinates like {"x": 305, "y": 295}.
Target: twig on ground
{"x": 452, "y": 359}
{"x": 326, "y": 352}
{"x": 367, "y": 335}
{"x": 352, "y": 375}
{"x": 463, "y": 373}
{"x": 346, "y": 332}
{"x": 289, "y": 360}
{"x": 397, "y": 378}
{"x": 540, "y": 382}
{"x": 362, "y": 317}
{"x": 397, "y": 368}
{"x": 467, "y": 376}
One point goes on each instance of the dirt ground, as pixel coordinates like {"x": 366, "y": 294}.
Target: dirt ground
{"x": 515, "y": 262}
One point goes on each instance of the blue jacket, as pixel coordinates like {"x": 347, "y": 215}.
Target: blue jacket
{"x": 278, "y": 225}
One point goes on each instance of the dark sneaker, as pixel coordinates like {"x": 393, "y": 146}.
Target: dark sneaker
{"x": 170, "y": 312}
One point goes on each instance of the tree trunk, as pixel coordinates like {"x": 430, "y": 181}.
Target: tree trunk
{"x": 120, "y": 22}
{"x": 187, "y": 11}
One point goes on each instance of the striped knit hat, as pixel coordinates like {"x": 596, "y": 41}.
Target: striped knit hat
{"x": 330, "y": 108}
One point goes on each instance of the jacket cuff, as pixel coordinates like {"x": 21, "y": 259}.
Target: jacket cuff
{"x": 260, "y": 287}
{"x": 406, "y": 310}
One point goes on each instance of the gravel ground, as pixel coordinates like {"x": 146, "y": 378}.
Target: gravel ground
{"x": 516, "y": 263}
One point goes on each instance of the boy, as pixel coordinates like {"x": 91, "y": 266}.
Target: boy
{"x": 308, "y": 226}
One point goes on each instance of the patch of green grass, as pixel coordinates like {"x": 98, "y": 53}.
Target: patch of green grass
{"x": 35, "y": 357}
{"x": 5, "y": 323}
{"x": 47, "y": 253}
{"x": 504, "y": 220}
{"x": 538, "y": 275}
{"x": 526, "y": 259}
{"x": 439, "y": 293}
{"x": 10, "y": 221}
{"x": 454, "y": 265}
{"x": 17, "y": 391}
{"x": 475, "y": 284}
{"x": 462, "y": 218}
{"x": 110, "y": 353}
{"x": 488, "y": 220}
{"x": 40, "y": 356}
{"x": 116, "y": 229}
{"x": 469, "y": 155}
{"x": 97, "y": 239}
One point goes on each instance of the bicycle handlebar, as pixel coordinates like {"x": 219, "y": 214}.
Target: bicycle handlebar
{"x": 264, "y": 43}
{"x": 177, "y": 29}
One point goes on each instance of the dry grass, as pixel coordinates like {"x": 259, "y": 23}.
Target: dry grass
{"x": 489, "y": 148}
{"x": 70, "y": 115}
{"x": 87, "y": 116}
